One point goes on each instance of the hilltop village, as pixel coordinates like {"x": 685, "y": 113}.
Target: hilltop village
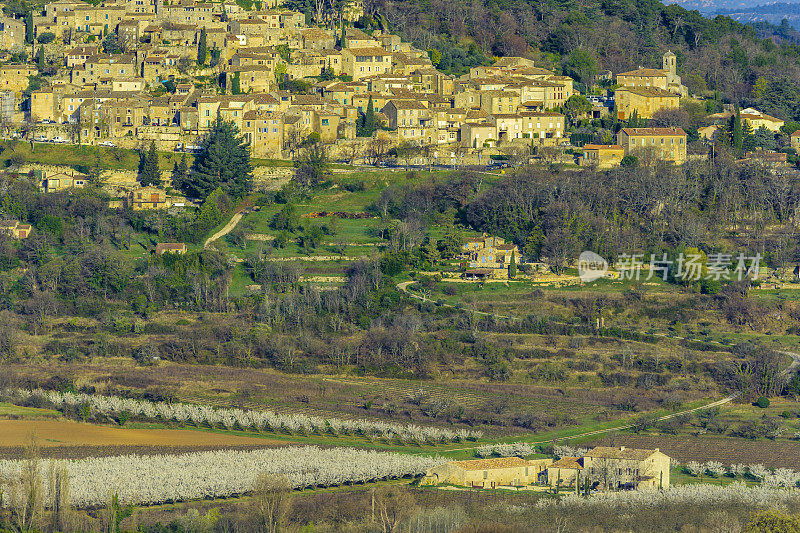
{"x": 128, "y": 73}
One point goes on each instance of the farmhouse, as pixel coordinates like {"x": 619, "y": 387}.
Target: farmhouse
{"x": 171, "y": 247}
{"x": 14, "y": 229}
{"x": 565, "y": 472}
{"x": 613, "y": 468}
{"x": 488, "y": 473}
{"x": 602, "y": 156}
{"x": 148, "y": 198}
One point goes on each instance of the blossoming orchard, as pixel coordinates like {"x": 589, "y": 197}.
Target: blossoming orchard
{"x": 240, "y": 419}
{"x": 169, "y": 478}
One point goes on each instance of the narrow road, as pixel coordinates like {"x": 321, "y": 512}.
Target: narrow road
{"x": 711, "y": 405}
{"x": 226, "y": 229}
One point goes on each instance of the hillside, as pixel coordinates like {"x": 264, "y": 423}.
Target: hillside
{"x": 582, "y": 39}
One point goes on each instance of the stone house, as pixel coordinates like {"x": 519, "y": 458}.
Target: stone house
{"x": 488, "y": 473}
{"x": 645, "y": 101}
{"x": 666, "y": 144}
{"x": 14, "y": 229}
{"x": 411, "y": 119}
{"x": 14, "y": 77}
{"x": 362, "y": 62}
{"x": 59, "y": 181}
{"x": 602, "y": 156}
{"x": 171, "y": 247}
{"x": 615, "y": 468}
{"x": 146, "y": 198}
{"x": 12, "y": 33}
{"x": 264, "y": 131}
{"x": 565, "y": 472}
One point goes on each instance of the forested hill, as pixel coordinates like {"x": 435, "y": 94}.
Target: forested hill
{"x": 582, "y": 37}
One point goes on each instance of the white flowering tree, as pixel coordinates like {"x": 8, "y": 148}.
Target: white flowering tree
{"x": 164, "y": 478}
{"x": 239, "y": 419}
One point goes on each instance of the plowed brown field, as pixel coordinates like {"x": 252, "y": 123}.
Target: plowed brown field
{"x": 14, "y": 433}
{"x": 727, "y": 450}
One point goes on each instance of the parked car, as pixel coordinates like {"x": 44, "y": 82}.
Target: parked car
{"x": 109, "y": 144}
{"x": 40, "y": 138}
{"x": 59, "y": 140}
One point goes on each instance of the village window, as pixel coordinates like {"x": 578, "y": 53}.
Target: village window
{"x": 485, "y": 474}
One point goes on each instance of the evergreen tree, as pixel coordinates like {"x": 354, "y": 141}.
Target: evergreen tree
{"x": 737, "y": 135}
{"x": 41, "y": 63}
{"x": 29, "y": 26}
{"x": 236, "y": 87}
{"x": 223, "y": 163}
{"x": 150, "y": 175}
{"x": 202, "y": 48}
{"x": 180, "y": 173}
{"x": 512, "y": 266}
{"x": 367, "y": 126}
{"x": 633, "y": 120}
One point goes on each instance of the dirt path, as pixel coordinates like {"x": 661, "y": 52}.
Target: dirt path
{"x": 226, "y": 229}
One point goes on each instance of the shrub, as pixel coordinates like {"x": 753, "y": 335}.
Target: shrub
{"x": 46, "y": 37}
{"x": 762, "y": 402}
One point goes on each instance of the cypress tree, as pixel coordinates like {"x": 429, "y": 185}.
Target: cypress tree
{"x": 512, "y": 267}
{"x": 633, "y": 121}
{"x": 29, "y": 26}
{"x": 369, "y": 119}
{"x": 737, "y": 133}
{"x": 150, "y": 173}
{"x": 202, "y": 47}
{"x": 223, "y": 163}
{"x": 180, "y": 173}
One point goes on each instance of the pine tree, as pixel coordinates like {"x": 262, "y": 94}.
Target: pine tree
{"x": 202, "y": 47}
{"x": 150, "y": 174}
{"x": 223, "y": 163}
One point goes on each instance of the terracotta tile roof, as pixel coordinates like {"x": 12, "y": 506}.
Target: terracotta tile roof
{"x": 488, "y": 464}
{"x": 652, "y": 92}
{"x": 762, "y": 116}
{"x": 605, "y": 452}
{"x": 602, "y": 147}
{"x": 170, "y": 246}
{"x": 654, "y": 131}
{"x": 645, "y": 73}
{"x": 568, "y": 462}
{"x": 407, "y": 104}
{"x": 370, "y": 51}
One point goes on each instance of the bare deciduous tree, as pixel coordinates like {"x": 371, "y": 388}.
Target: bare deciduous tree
{"x": 272, "y": 495}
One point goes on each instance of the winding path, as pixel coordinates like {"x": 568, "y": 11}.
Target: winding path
{"x": 227, "y": 228}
